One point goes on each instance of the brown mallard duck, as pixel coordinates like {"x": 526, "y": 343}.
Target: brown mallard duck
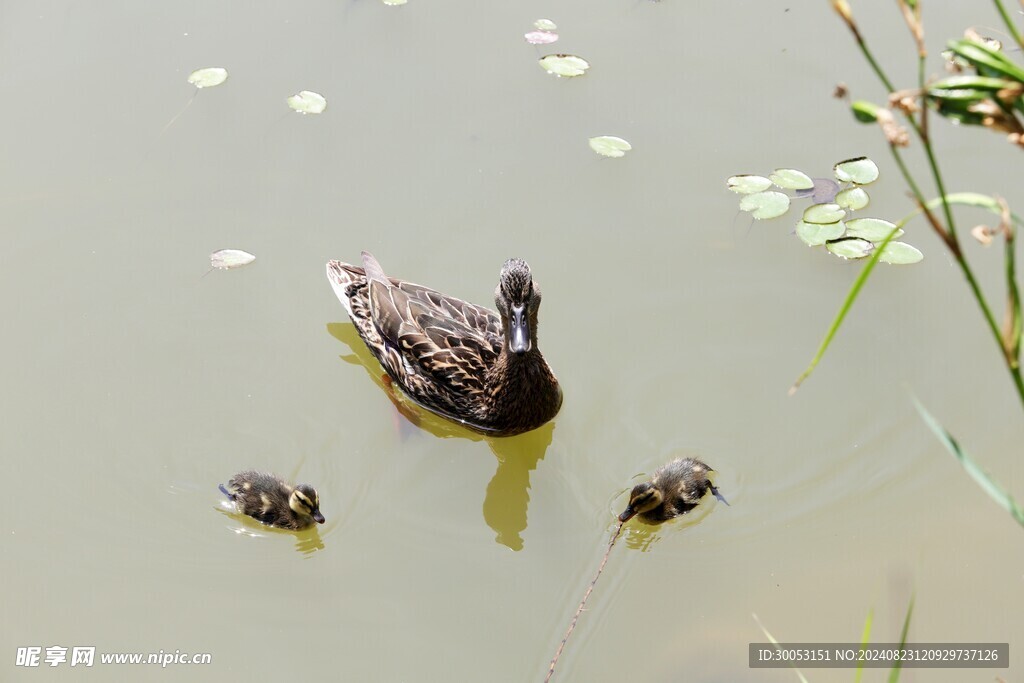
{"x": 675, "y": 488}
{"x": 464, "y": 362}
{"x": 273, "y": 501}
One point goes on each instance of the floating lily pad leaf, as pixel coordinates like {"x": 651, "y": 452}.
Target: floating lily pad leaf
{"x": 545, "y": 25}
{"x": 814, "y": 235}
{"x": 900, "y": 253}
{"x": 307, "y": 102}
{"x": 854, "y": 198}
{"x": 871, "y": 229}
{"x": 791, "y": 179}
{"x": 231, "y": 258}
{"x": 541, "y": 37}
{"x": 564, "y": 65}
{"x": 850, "y": 247}
{"x": 748, "y": 184}
{"x": 394, "y": 3}
{"x": 610, "y": 146}
{"x": 765, "y": 205}
{"x": 860, "y": 170}
{"x": 823, "y": 192}
{"x": 822, "y": 214}
{"x": 207, "y": 78}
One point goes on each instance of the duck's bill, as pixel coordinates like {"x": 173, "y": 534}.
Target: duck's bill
{"x": 519, "y": 337}
{"x": 627, "y": 515}
{"x": 318, "y": 517}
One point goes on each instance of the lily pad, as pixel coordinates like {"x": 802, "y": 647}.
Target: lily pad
{"x": 394, "y": 3}
{"x": 765, "y": 205}
{"x": 307, "y": 102}
{"x": 748, "y": 184}
{"x": 230, "y": 258}
{"x": 822, "y": 214}
{"x": 900, "y": 253}
{"x": 791, "y": 179}
{"x": 815, "y": 235}
{"x": 540, "y": 37}
{"x": 871, "y": 229}
{"x": 545, "y": 25}
{"x": 853, "y": 198}
{"x": 850, "y": 247}
{"x": 860, "y": 170}
{"x": 610, "y": 146}
{"x": 566, "y": 66}
{"x": 207, "y": 78}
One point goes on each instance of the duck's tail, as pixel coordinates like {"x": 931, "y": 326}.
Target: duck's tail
{"x": 341, "y": 275}
{"x": 719, "y": 495}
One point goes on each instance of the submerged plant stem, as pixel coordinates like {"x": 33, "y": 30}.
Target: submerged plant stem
{"x": 583, "y": 602}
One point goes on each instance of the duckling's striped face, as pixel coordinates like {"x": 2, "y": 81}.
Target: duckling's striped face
{"x": 305, "y": 501}
{"x": 643, "y": 498}
{"x": 517, "y": 299}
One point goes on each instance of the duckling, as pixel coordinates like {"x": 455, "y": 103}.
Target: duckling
{"x": 675, "y": 488}
{"x": 273, "y": 501}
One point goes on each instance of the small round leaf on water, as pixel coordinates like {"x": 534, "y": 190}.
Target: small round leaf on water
{"x": 545, "y": 25}
{"x": 307, "y": 102}
{"x": 230, "y": 258}
{"x": 540, "y": 37}
{"x": 791, "y": 179}
{"x": 566, "y": 66}
{"x": 860, "y": 170}
{"x": 748, "y": 184}
{"x": 765, "y": 205}
{"x": 900, "y": 254}
{"x": 207, "y": 78}
{"x": 814, "y": 235}
{"x": 853, "y": 198}
{"x": 823, "y": 214}
{"x": 870, "y": 229}
{"x": 394, "y": 3}
{"x": 850, "y": 247}
{"x": 610, "y": 146}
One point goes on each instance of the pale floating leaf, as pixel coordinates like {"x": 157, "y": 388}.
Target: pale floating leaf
{"x": 900, "y": 254}
{"x": 850, "y": 247}
{"x": 765, "y": 205}
{"x": 545, "y": 25}
{"x": 231, "y": 258}
{"x": 815, "y": 235}
{"x": 610, "y": 146}
{"x": 791, "y": 179}
{"x": 540, "y": 37}
{"x": 854, "y": 198}
{"x": 824, "y": 214}
{"x": 307, "y": 102}
{"x": 566, "y": 66}
{"x": 394, "y": 3}
{"x": 860, "y": 170}
{"x": 207, "y": 78}
{"x": 870, "y": 229}
{"x": 748, "y": 184}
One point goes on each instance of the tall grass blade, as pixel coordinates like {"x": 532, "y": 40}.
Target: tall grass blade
{"x": 865, "y": 638}
{"x": 776, "y": 644}
{"x": 894, "y": 674}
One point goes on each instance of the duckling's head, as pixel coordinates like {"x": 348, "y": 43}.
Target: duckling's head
{"x": 517, "y": 299}
{"x": 643, "y": 498}
{"x": 304, "y": 501}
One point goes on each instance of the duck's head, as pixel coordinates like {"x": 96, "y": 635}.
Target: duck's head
{"x": 643, "y": 498}
{"x": 517, "y": 299}
{"x": 304, "y": 501}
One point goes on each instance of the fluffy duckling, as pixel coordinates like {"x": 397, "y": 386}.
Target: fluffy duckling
{"x": 273, "y": 501}
{"x": 675, "y": 488}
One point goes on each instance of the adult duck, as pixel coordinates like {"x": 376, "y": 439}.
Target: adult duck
{"x": 464, "y": 362}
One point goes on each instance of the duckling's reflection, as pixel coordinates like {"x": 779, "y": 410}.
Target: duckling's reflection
{"x": 307, "y": 541}
{"x": 507, "y": 497}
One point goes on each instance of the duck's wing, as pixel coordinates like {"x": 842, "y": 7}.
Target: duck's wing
{"x": 448, "y": 340}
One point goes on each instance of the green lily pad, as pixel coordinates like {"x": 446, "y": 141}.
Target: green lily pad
{"x": 609, "y": 146}
{"x": 765, "y": 205}
{"x": 860, "y": 170}
{"x": 791, "y": 179}
{"x": 853, "y": 198}
{"x": 748, "y": 184}
{"x": 870, "y": 229}
{"x": 567, "y": 66}
{"x": 545, "y": 25}
{"x": 207, "y": 78}
{"x": 307, "y": 102}
{"x": 815, "y": 235}
{"x": 900, "y": 253}
{"x": 850, "y": 247}
{"x": 822, "y": 214}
